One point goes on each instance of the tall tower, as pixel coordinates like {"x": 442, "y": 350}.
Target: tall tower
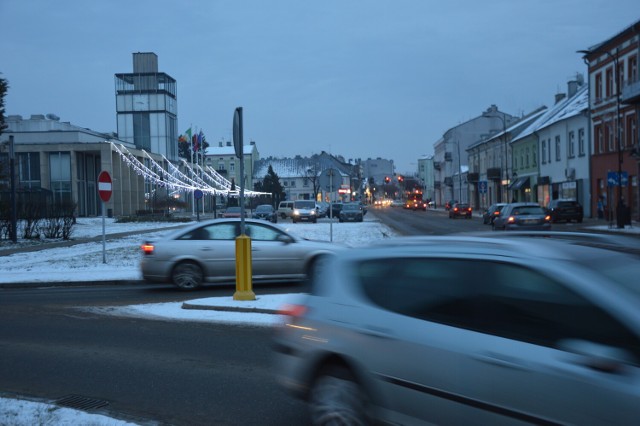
{"x": 146, "y": 107}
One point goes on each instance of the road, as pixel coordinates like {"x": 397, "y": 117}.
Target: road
{"x": 430, "y": 222}
{"x": 177, "y": 373}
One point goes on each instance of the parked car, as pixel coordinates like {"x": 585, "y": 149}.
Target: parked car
{"x": 233, "y": 212}
{"x": 351, "y": 212}
{"x": 266, "y": 212}
{"x": 522, "y": 216}
{"x": 460, "y": 210}
{"x": 467, "y": 330}
{"x": 335, "y": 209}
{"x": 492, "y": 212}
{"x": 304, "y": 211}
{"x": 322, "y": 208}
{"x": 285, "y": 209}
{"x": 567, "y": 210}
{"x": 206, "y": 253}
{"x": 449, "y": 204}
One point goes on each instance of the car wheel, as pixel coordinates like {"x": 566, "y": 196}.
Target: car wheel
{"x": 282, "y": 215}
{"x": 336, "y": 398}
{"x": 187, "y": 275}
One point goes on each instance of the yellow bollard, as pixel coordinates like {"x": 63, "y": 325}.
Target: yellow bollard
{"x": 244, "y": 289}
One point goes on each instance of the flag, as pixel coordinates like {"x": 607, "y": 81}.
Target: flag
{"x": 194, "y": 142}
{"x": 200, "y": 139}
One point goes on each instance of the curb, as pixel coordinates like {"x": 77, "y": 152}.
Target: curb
{"x": 187, "y": 305}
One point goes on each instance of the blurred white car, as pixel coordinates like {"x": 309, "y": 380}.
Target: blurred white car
{"x": 206, "y": 253}
{"x": 469, "y": 330}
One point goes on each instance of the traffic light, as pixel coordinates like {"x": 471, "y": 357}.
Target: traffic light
{"x": 387, "y": 179}
{"x": 400, "y": 178}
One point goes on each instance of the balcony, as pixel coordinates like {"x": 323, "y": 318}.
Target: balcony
{"x": 473, "y": 177}
{"x": 436, "y": 165}
{"x": 448, "y": 181}
{"x": 448, "y": 156}
{"x": 631, "y": 93}
{"x": 494, "y": 173}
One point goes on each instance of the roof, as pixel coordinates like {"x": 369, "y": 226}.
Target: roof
{"x": 565, "y": 109}
{"x": 299, "y": 166}
{"x": 227, "y": 150}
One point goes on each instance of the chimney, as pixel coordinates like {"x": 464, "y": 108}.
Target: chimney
{"x": 220, "y": 144}
{"x": 228, "y": 143}
{"x": 560, "y": 96}
{"x": 252, "y": 143}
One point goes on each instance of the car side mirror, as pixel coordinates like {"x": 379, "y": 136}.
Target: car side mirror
{"x": 284, "y": 239}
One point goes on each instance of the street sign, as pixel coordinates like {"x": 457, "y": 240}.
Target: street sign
{"x": 482, "y": 187}
{"x": 330, "y": 180}
{"x": 237, "y": 132}
{"x": 104, "y": 186}
{"x": 612, "y": 179}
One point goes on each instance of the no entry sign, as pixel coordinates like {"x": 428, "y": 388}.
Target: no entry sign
{"x": 104, "y": 186}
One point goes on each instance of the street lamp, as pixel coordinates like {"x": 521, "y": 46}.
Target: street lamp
{"x": 619, "y": 215}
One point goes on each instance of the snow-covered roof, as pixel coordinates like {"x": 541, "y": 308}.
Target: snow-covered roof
{"x": 567, "y": 108}
{"x": 227, "y": 150}
{"x": 299, "y": 166}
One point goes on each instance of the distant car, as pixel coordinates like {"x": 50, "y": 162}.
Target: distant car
{"x": 304, "y": 211}
{"x": 206, "y": 253}
{"x": 322, "y": 208}
{"x": 351, "y": 212}
{"x": 460, "y": 210}
{"x": 266, "y": 212}
{"x": 285, "y": 209}
{"x": 231, "y": 212}
{"x": 449, "y": 204}
{"x": 491, "y": 212}
{"x": 467, "y": 330}
{"x": 397, "y": 203}
{"x": 334, "y": 210}
{"x": 565, "y": 210}
{"x": 522, "y": 216}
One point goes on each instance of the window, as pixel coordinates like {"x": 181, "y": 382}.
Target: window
{"x": 527, "y": 157}
{"x": 232, "y": 167}
{"x": 28, "y": 170}
{"x": 60, "y": 170}
{"x": 609, "y": 86}
{"x": 581, "y": 142}
{"x": 571, "y": 148}
{"x": 632, "y": 134}
{"x": 549, "y": 151}
{"x": 598, "y": 88}
{"x": 544, "y": 151}
{"x": 493, "y": 298}
{"x": 599, "y": 139}
{"x": 558, "y": 148}
{"x": 610, "y": 138}
{"x": 142, "y": 130}
{"x": 293, "y": 184}
{"x": 221, "y": 165}
{"x": 632, "y": 68}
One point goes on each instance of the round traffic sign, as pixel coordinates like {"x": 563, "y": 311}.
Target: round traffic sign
{"x": 104, "y": 186}
{"x": 197, "y": 194}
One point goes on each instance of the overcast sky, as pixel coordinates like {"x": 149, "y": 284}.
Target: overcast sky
{"x": 361, "y": 79}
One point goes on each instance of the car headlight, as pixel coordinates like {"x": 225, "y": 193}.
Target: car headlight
{"x": 296, "y": 212}
{"x": 313, "y": 212}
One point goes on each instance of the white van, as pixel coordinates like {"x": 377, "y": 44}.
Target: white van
{"x": 285, "y": 209}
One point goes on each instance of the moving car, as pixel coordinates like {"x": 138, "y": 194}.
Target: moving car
{"x": 492, "y": 212}
{"x": 304, "y": 211}
{"x": 266, "y": 212}
{"x": 334, "y": 210}
{"x": 449, "y": 204}
{"x": 351, "y": 212}
{"x": 522, "y": 216}
{"x": 467, "y": 330}
{"x": 566, "y": 210}
{"x": 206, "y": 253}
{"x": 460, "y": 210}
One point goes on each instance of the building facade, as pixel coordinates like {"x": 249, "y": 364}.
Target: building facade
{"x": 613, "y": 103}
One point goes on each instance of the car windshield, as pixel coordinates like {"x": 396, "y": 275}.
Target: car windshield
{"x": 263, "y": 209}
{"x": 305, "y": 205}
{"x": 233, "y": 209}
{"x": 350, "y": 207}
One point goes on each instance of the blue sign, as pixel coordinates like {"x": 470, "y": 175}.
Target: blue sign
{"x": 482, "y": 187}
{"x": 197, "y": 194}
{"x": 612, "y": 179}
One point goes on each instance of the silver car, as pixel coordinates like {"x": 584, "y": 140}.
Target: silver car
{"x": 206, "y": 253}
{"x": 468, "y": 330}
{"x": 522, "y": 216}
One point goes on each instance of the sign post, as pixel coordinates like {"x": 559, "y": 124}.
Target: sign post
{"x": 104, "y": 190}
{"x": 244, "y": 290}
{"x": 197, "y": 194}
{"x": 329, "y": 181}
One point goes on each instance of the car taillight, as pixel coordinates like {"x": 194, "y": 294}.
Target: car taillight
{"x": 455, "y": 209}
{"x": 547, "y": 218}
{"x": 147, "y": 248}
{"x": 496, "y": 213}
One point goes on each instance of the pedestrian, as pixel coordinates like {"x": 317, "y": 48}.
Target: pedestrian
{"x": 600, "y": 208}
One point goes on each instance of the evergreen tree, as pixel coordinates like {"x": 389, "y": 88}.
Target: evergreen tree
{"x": 271, "y": 184}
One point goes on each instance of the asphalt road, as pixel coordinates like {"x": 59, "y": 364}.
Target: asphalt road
{"x": 147, "y": 371}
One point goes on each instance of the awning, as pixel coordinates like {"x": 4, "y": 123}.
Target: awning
{"x": 522, "y": 182}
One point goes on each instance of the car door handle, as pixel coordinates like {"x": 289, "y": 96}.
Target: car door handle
{"x": 375, "y": 331}
{"x": 500, "y": 360}
{"x": 206, "y": 249}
